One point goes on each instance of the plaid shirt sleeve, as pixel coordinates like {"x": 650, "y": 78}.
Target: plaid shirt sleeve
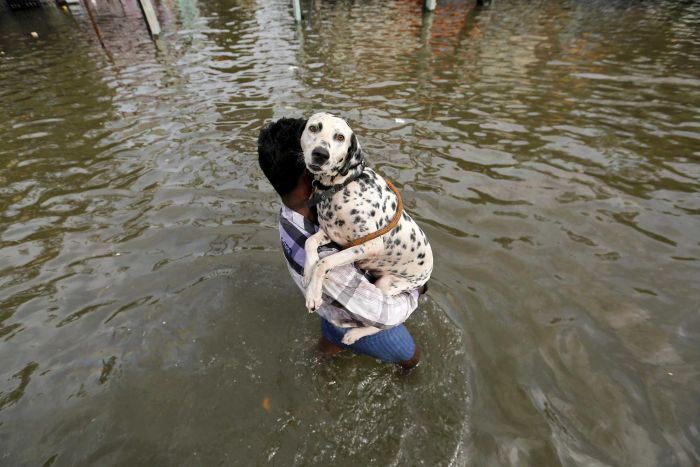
{"x": 349, "y": 299}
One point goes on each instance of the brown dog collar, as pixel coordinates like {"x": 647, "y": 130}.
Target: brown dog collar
{"x": 386, "y": 228}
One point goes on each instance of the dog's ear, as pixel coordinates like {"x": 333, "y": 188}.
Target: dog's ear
{"x": 354, "y": 157}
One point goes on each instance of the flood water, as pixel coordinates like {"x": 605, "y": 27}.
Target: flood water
{"x": 550, "y": 150}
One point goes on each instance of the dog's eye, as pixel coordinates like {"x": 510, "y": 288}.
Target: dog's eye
{"x": 313, "y": 128}
{"x": 340, "y": 138}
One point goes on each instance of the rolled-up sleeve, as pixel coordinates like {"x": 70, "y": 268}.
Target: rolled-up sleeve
{"x": 364, "y": 301}
{"x": 349, "y": 298}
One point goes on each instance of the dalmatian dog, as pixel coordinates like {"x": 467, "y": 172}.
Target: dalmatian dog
{"x": 354, "y": 201}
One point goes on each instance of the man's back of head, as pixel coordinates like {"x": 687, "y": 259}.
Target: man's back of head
{"x": 279, "y": 153}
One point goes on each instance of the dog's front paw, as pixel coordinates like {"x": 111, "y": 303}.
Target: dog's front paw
{"x": 312, "y": 303}
{"x": 352, "y": 336}
{"x": 314, "y": 294}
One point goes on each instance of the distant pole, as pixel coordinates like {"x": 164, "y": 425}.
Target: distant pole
{"x": 86, "y": 5}
{"x": 297, "y": 11}
{"x": 429, "y": 5}
{"x": 151, "y": 19}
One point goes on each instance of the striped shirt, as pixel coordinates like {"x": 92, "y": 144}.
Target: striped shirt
{"x": 349, "y": 298}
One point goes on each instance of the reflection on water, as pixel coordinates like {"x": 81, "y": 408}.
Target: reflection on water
{"x": 549, "y": 149}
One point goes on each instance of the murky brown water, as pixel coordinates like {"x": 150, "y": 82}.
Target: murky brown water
{"x": 550, "y": 150}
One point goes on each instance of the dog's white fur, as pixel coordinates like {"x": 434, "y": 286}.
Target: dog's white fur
{"x": 401, "y": 259}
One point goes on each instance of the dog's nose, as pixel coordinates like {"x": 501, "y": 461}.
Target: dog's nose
{"x": 320, "y": 155}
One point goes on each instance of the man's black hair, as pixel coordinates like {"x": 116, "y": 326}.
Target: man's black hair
{"x": 279, "y": 153}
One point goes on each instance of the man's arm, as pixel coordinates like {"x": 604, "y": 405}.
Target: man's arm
{"x": 347, "y": 288}
{"x": 364, "y": 301}
{"x": 348, "y": 295}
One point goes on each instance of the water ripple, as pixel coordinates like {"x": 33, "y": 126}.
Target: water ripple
{"x": 548, "y": 149}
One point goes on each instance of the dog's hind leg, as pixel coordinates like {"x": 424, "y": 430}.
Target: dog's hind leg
{"x": 384, "y": 283}
{"x": 393, "y": 285}
{"x": 355, "y": 334}
{"x": 311, "y": 249}
{"x": 313, "y": 291}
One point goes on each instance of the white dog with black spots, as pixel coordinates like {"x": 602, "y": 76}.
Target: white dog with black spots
{"x": 354, "y": 201}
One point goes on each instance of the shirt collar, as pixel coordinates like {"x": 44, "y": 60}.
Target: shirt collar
{"x": 301, "y": 222}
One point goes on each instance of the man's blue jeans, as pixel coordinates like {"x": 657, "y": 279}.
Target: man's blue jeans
{"x": 393, "y": 345}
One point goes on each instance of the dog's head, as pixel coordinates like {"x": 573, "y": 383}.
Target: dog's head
{"x": 329, "y": 146}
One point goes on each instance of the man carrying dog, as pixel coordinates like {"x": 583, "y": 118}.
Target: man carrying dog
{"x": 349, "y": 296}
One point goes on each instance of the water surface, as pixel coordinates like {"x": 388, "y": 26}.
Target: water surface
{"x": 550, "y": 150}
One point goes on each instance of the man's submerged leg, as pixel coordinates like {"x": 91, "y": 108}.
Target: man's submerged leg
{"x": 330, "y": 342}
{"x": 395, "y": 345}
{"x": 412, "y": 362}
{"x": 327, "y": 347}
